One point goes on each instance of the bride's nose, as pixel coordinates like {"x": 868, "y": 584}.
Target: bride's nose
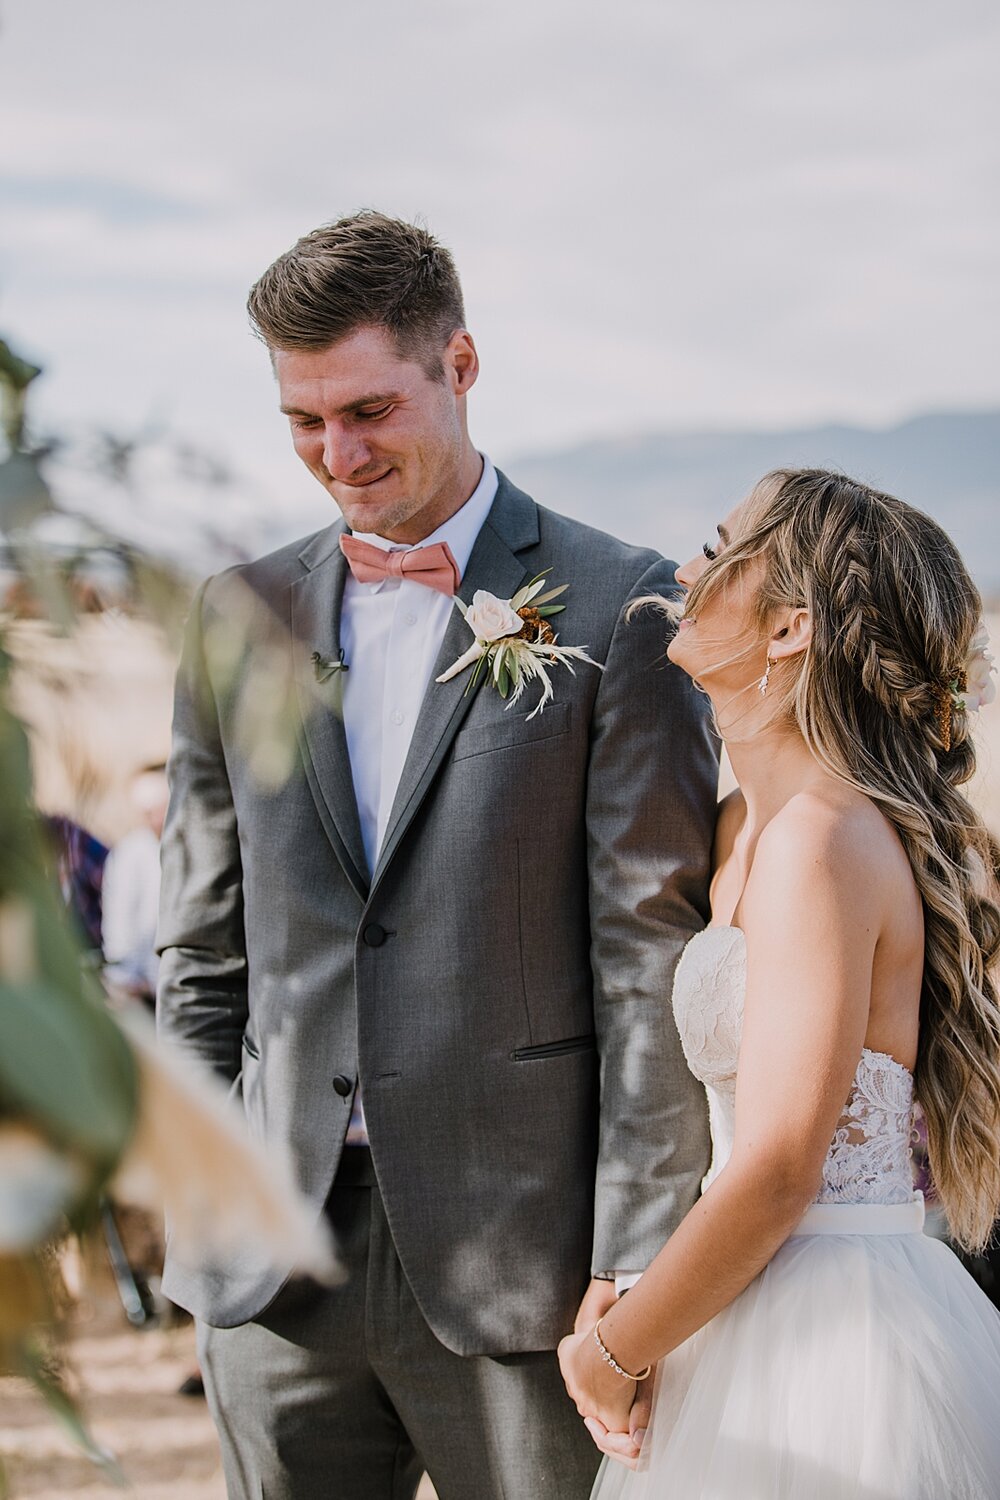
{"x": 688, "y": 573}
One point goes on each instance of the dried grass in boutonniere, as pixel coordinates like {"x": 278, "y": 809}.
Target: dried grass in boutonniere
{"x": 514, "y": 641}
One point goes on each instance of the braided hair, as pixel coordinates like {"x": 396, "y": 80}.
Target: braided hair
{"x": 893, "y": 613}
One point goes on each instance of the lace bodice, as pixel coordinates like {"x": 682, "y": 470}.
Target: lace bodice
{"x": 869, "y": 1156}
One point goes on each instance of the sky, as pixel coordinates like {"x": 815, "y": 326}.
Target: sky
{"x": 728, "y": 214}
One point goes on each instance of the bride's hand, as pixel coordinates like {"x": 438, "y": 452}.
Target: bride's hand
{"x": 614, "y": 1410}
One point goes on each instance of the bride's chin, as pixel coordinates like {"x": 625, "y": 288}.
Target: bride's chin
{"x": 677, "y": 653}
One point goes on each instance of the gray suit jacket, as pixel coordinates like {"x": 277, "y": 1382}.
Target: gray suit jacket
{"x": 501, "y": 984}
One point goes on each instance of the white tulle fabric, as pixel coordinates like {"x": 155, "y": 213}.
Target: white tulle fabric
{"x": 863, "y": 1363}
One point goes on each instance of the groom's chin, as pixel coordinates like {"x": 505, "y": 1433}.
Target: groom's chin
{"x": 369, "y": 515}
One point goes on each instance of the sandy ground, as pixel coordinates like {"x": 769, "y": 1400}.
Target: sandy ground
{"x": 164, "y": 1443}
{"x": 99, "y": 707}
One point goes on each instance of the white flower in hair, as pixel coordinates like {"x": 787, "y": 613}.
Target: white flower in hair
{"x": 980, "y": 673}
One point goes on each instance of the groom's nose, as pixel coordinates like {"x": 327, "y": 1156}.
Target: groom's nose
{"x": 344, "y": 451}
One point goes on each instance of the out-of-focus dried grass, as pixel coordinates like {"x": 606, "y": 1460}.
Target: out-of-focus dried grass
{"x": 97, "y": 705}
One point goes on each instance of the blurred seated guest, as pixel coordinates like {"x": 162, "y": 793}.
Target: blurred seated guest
{"x": 131, "y": 898}
{"x": 132, "y": 891}
{"x": 80, "y": 859}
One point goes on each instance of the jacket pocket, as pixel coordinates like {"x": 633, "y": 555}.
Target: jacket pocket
{"x": 512, "y": 731}
{"x": 555, "y": 1049}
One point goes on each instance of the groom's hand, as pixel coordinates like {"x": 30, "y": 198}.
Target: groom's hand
{"x": 597, "y": 1299}
{"x": 614, "y": 1410}
{"x": 621, "y": 1445}
{"x": 625, "y": 1447}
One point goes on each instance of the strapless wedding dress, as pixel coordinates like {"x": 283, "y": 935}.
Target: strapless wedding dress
{"x": 863, "y": 1363}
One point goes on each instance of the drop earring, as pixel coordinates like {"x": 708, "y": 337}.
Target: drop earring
{"x": 762, "y": 684}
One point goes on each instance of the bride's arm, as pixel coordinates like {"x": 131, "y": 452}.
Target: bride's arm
{"x": 812, "y": 914}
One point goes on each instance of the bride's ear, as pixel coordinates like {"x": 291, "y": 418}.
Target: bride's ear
{"x": 791, "y": 635}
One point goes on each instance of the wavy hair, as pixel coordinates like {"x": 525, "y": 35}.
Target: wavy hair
{"x": 894, "y": 612}
{"x": 364, "y": 271}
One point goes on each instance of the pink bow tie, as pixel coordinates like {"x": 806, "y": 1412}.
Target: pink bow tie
{"x": 435, "y": 566}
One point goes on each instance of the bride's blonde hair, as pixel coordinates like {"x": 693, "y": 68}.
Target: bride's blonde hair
{"x": 894, "y": 613}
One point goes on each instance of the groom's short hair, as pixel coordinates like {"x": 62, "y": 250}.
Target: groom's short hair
{"x": 365, "y": 271}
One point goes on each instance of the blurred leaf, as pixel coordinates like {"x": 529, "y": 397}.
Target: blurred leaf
{"x": 65, "y": 1065}
{"x": 16, "y": 374}
{"x": 46, "y": 1380}
{"x": 24, "y": 494}
{"x": 15, "y": 765}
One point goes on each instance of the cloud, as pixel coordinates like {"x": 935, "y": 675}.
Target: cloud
{"x": 664, "y": 215}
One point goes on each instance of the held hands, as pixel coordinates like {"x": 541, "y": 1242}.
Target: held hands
{"x": 615, "y": 1410}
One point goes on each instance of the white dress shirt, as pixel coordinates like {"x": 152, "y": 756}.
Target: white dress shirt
{"x": 391, "y": 633}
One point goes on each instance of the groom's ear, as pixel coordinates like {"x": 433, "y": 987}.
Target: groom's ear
{"x": 792, "y": 634}
{"x": 461, "y": 362}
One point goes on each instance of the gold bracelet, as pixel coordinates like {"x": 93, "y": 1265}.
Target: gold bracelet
{"x": 609, "y": 1358}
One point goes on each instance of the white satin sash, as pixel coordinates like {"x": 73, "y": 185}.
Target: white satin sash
{"x": 863, "y": 1218}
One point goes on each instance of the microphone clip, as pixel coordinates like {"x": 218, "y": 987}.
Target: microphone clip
{"x": 325, "y": 667}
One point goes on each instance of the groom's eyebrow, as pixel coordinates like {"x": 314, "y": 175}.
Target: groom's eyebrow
{"x": 377, "y": 398}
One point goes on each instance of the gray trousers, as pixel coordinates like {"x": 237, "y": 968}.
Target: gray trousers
{"x": 346, "y": 1394}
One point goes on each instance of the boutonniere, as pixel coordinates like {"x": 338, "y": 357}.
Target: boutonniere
{"x": 514, "y": 641}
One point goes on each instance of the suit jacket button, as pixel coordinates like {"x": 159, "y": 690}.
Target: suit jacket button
{"x": 343, "y": 1085}
{"x": 374, "y": 935}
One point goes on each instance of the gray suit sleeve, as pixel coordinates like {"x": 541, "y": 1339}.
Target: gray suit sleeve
{"x": 202, "y": 989}
{"x": 651, "y": 806}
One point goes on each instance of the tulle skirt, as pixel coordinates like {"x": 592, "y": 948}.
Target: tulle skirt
{"x": 863, "y": 1363}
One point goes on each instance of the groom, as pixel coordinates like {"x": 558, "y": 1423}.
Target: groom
{"x": 428, "y": 935}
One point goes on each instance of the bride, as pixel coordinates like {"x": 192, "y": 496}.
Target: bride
{"x": 810, "y": 1341}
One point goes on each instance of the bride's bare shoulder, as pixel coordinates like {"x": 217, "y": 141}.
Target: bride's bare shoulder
{"x": 841, "y": 835}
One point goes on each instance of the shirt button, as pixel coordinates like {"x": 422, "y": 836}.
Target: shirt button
{"x": 343, "y": 1085}
{"x": 398, "y": 716}
{"x": 409, "y": 618}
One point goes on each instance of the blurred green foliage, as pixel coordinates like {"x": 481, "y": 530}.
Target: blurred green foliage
{"x": 68, "y": 1077}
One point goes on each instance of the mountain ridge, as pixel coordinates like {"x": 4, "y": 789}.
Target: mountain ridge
{"x": 670, "y": 488}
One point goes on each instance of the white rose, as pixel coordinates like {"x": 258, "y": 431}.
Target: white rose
{"x": 980, "y": 641}
{"x": 490, "y": 618}
{"x": 980, "y": 685}
{"x": 979, "y": 672}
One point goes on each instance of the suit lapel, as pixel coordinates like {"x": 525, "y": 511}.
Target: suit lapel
{"x": 317, "y": 599}
{"x": 494, "y": 564}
